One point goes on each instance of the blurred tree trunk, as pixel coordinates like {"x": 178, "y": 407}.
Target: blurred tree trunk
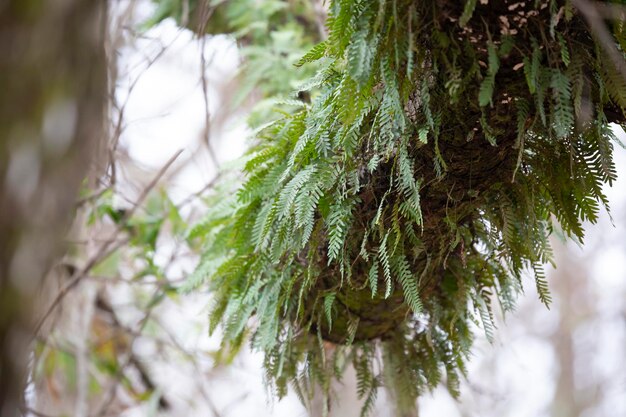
{"x": 576, "y": 305}
{"x": 53, "y": 84}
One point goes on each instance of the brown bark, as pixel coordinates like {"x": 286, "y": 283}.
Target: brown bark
{"x": 53, "y": 84}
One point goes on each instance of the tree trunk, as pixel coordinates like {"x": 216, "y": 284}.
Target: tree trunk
{"x": 53, "y": 84}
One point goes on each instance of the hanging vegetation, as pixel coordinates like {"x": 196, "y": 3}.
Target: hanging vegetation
{"x": 444, "y": 143}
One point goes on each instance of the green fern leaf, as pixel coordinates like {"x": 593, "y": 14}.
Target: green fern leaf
{"x": 487, "y": 87}
{"x": 317, "y": 52}
{"x": 408, "y": 281}
{"x": 384, "y": 260}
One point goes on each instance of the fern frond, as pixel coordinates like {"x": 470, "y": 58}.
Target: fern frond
{"x": 373, "y": 277}
{"x": 408, "y": 281}
{"x": 329, "y": 299}
{"x": 563, "y": 113}
{"x": 317, "y": 52}
{"x": 487, "y": 87}
{"x": 542, "y": 284}
{"x": 468, "y": 11}
{"x": 383, "y": 255}
{"x": 338, "y": 222}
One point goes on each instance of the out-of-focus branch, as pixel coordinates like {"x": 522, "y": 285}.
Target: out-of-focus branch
{"x": 109, "y": 246}
{"x": 193, "y": 360}
{"x": 321, "y": 15}
{"x": 206, "y": 11}
{"x": 593, "y": 14}
{"x": 105, "y": 307}
{"x": 83, "y": 355}
{"x": 127, "y": 361}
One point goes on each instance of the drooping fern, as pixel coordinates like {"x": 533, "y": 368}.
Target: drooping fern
{"x": 444, "y": 141}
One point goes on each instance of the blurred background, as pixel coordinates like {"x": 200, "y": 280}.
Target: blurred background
{"x": 126, "y": 341}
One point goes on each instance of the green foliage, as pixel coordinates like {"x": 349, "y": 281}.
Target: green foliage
{"x": 430, "y": 164}
{"x": 468, "y": 10}
{"x": 487, "y": 86}
{"x": 272, "y": 35}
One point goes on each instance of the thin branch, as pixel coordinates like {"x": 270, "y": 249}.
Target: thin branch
{"x": 206, "y": 13}
{"x": 119, "y": 124}
{"x": 110, "y": 390}
{"x": 103, "y": 304}
{"x": 108, "y": 247}
{"x": 91, "y": 197}
{"x": 592, "y": 15}
{"x": 195, "y": 365}
{"x": 197, "y": 194}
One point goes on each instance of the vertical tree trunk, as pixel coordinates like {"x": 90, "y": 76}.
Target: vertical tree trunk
{"x": 53, "y": 86}
{"x": 576, "y": 304}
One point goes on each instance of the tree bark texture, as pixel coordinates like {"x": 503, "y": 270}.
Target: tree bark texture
{"x": 53, "y": 86}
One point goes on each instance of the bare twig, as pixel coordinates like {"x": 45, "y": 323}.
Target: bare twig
{"x": 194, "y": 363}
{"x": 197, "y": 194}
{"x": 91, "y": 197}
{"x": 206, "y": 11}
{"x": 107, "y": 247}
{"x": 103, "y": 304}
{"x": 119, "y": 125}
{"x": 110, "y": 390}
